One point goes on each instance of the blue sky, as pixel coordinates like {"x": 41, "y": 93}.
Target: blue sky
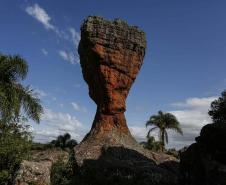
{"x": 183, "y": 71}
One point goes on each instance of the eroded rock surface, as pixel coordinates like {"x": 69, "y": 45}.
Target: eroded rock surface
{"x": 111, "y": 55}
{"x": 37, "y": 170}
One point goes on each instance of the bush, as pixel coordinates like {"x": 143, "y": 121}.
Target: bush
{"x": 15, "y": 143}
{"x": 151, "y": 144}
{"x": 63, "y": 173}
{"x": 218, "y": 109}
{"x": 64, "y": 141}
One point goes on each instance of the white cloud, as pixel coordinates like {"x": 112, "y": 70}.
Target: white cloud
{"x": 139, "y": 132}
{"x": 57, "y": 123}
{"x": 75, "y": 36}
{"x": 68, "y": 56}
{"x": 196, "y": 103}
{"x": 39, "y": 93}
{"x": 75, "y": 106}
{"x": 41, "y": 15}
{"x": 44, "y": 51}
{"x": 69, "y": 35}
{"x": 64, "y": 121}
{"x": 192, "y": 115}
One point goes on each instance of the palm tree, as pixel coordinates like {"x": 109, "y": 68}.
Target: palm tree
{"x": 64, "y": 141}
{"x": 163, "y": 122}
{"x": 16, "y": 101}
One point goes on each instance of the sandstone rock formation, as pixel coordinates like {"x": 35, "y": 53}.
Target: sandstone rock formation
{"x": 37, "y": 170}
{"x": 204, "y": 162}
{"x": 111, "y": 55}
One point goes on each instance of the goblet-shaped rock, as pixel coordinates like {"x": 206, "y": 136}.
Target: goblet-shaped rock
{"x": 111, "y": 55}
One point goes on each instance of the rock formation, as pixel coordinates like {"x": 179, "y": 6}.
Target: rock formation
{"x": 111, "y": 54}
{"x": 204, "y": 162}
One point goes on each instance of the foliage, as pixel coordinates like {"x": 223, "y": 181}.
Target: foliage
{"x": 64, "y": 141}
{"x": 63, "y": 173}
{"x": 14, "y": 98}
{"x": 17, "y": 104}
{"x": 15, "y": 143}
{"x": 218, "y": 109}
{"x": 153, "y": 145}
{"x": 163, "y": 122}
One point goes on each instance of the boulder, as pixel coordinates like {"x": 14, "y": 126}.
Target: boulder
{"x": 37, "y": 170}
{"x": 204, "y": 162}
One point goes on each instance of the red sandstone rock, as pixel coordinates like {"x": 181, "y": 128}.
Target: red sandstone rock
{"x": 111, "y": 55}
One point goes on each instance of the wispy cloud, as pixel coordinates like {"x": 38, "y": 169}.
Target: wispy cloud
{"x": 44, "y": 51}
{"x": 195, "y": 103}
{"x": 70, "y": 34}
{"x": 75, "y": 36}
{"x": 39, "y": 93}
{"x": 69, "y": 57}
{"x": 40, "y": 15}
{"x": 75, "y": 106}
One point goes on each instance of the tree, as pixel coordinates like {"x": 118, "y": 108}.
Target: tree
{"x": 17, "y": 104}
{"x": 163, "y": 122}
{"x": 218, "y": 109}
{"x": 64, "y": 141}
{"x": 14, "y": 97}
{"x": 15, "y": 144}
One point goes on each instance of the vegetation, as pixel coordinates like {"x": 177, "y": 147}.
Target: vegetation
{"x": 151, "y": 144}
{"x": 218, "y": 109}
{"x": 63, "y": 173}
{"x": 64, "y": 141}
{"x": 17, "y": 104}
{"x": 163, "y": 122}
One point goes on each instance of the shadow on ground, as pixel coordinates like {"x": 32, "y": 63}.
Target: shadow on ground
{"x": 119, "y": 165}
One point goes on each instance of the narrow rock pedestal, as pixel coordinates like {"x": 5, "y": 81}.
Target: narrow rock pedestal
{"x": 111, "y": 55}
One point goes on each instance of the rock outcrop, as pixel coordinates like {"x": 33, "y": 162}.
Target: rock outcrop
{"x": 111, "y": 55}
{"x": 37, "y": 170}
{"x": 204, "y": 162}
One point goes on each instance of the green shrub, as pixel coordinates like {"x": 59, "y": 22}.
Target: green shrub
{"x": 151, "y": 144}
{"x": 62, "y": 173}
{"x": 15, "y": 143}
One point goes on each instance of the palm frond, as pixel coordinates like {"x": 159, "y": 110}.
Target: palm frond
{"x": 12, "y": 68}
{"x": 151, "y": 130}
